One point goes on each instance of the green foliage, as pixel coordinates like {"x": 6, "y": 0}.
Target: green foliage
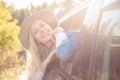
{"x": 8, "y": 29}
{"x": 11, "y": 66}
{"x": 9, "y": 63}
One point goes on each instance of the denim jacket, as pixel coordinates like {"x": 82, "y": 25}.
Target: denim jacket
{"x": 66, "y": 44}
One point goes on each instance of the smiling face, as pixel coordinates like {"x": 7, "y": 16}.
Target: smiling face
{"x": 41, "y": 31}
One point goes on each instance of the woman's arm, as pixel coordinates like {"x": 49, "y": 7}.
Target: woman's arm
{"x": 48, "y": 59}
{"x": 65, "y": 45}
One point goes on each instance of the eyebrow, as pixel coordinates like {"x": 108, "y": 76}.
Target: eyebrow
{"x": 35, "y": 29}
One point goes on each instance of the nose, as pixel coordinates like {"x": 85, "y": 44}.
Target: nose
{"x": 42, "y": 31}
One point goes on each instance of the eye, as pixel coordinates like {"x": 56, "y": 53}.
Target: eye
{"x": 35, "y": 32}
{"x": 41, "y": 25}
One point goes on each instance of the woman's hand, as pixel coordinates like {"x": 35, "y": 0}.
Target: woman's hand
{"x": 57, "y": 30}
{"x": 48, "y": 59}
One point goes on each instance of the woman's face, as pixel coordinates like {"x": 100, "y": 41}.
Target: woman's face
{"x": 41, "y": 31}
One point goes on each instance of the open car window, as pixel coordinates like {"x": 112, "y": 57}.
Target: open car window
{"x": 102, "y": 19}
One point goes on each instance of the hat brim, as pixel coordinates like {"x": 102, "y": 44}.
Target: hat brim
{"x": 44, "y": 15}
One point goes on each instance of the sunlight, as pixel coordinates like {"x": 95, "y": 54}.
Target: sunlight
{"x": 23, "y": 4}
{"x": 26, "y": 3}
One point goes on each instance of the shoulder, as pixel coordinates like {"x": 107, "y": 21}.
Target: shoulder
{"x": 73, "y": 34}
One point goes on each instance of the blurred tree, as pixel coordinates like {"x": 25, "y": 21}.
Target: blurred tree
{"x": 21, "y": 14}
{"x": 66, "y": 6}
{"x": 9, "y": 44}
{"x": 61, "y": 8}
{"x": 8, "y": 29}
{"x": 53, "y": 5}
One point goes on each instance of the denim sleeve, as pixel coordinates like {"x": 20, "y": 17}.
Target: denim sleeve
{"x": 65, "y": 46}
{"x": 60, "y": 37}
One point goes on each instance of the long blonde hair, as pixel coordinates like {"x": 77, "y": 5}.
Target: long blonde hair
{"x": 37, "y": 52}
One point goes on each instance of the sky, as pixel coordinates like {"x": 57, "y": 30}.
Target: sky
{"x": 25, "y": 3}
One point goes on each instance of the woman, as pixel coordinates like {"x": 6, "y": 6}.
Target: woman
{"x": 41, "y": 36}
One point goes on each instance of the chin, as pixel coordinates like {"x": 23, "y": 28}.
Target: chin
{"x": 46, "y": 41}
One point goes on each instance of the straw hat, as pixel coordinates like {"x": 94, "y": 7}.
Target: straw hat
{"x": 44, "y": 15}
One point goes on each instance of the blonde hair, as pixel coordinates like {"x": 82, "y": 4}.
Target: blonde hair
{"x": 36, "y": 68}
